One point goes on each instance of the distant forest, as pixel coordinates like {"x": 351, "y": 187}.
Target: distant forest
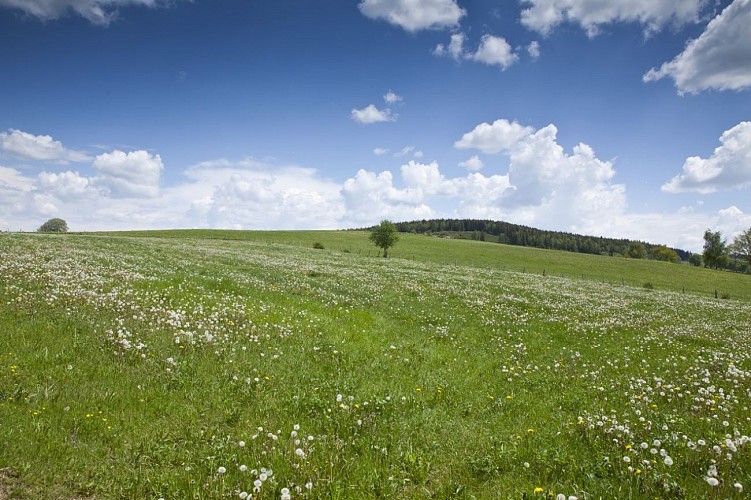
{"x": 514, "y": 234}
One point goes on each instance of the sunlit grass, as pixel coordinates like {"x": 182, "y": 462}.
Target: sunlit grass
{"x": 206, "y": 368}
{"x": 614, "y": 270}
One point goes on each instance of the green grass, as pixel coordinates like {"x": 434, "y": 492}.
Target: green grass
{"x": 138, "y": 365}
{"x": 615, "y": 270}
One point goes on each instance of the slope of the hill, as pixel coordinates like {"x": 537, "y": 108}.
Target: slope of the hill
{"x": 614, "y": 270}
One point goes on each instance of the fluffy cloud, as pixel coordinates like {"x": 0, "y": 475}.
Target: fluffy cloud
{"x": 371, "y": 114}
{"x": 414, "y": 15}
{"x": 12, "y": 179}
{"x": 133, "y": 174}
{"x": 474, "y": 163}
{"x": 370, "y": 197}
{"x": 392, "y": 98}
{"x": 544, "y": 15}
{"x": 533, "y": 49}
{"x": 547, "y": 186}
{"x": 492, "y": 50}
{"x": 100, "y": 12}
{"x": 719, "y": 59}
{"x": 251, "y": 195}
{"x": 28, "y": 146}
{"x": 500, "y": 136}
{"x": 455, "y": 47}
{"x": 426, "y": 179}
{"x": 65, "y": 185}
{"x": 729, "y": 166}
{"x": 380, "y": 151}
{"x": 495, "y": 50}
{"x": 543, "y": 173}
{"x": 16, "y": 199}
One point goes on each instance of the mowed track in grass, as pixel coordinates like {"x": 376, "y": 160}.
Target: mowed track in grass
{"x": 613, "y": 270}
{"x": 144, "y": 367}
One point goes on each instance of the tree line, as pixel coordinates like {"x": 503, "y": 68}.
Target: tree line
{"x": 719, "y": 254}
{"x": 516, "y": 234}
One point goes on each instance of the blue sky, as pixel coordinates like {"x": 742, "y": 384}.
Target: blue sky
{"x": 624, "y": 118}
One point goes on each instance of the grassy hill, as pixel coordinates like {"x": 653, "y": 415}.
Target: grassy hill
{"x": 250, "y": 365}
{"x": 614, "y": 270}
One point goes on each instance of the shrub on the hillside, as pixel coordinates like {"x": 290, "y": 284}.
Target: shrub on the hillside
{"x": 318, "y": 246}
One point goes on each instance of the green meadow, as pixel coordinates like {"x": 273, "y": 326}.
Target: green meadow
{"x": 230, "y": 364}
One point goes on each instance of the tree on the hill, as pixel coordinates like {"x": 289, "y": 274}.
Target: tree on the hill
{"x": 715, "y": 249}
{"x": 695, "y": 259}
{"x": 661, "y": 252}
{"x": 54, "y": 226}
{"x": 742, "y": 245}
{"x": 636, "y": 251}
{"x": 384, "y": 236}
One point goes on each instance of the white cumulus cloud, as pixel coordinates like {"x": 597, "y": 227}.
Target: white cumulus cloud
{"x": 414, "y": 15}
{"x": 720, "y": 58}
{"x": 533, "y": 49}
{"x": 499, "y": 136}
{"x": 380, "y": 151}
{"x": 455, "y": 48}
{"x": 64, "y": 185}
{"x": 492, "y": 50}
{"x": 392, "y": 98}
{"x": 133, "y": 174}
{"x": 261, "y": 198}
{"x": 12, "y": 179}
{"x": 474, "y": 163}
{"x": 100, "y": 12}
{"x": 548, "y": 186}
{"x": 38, "y": 147}
{"x": 370, "y": 197}
{"x": 729, "y": 166}
{"x": 495, "y": 50}
{"x": 371, "y": 114}
{"x": 544, "y": 15}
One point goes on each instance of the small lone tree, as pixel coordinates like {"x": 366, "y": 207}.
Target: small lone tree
{"x": 54, "y": 226}
{"x": 715, "y": 249}
{"x": 384, "y": 236}
{"x": 742, "y": 245}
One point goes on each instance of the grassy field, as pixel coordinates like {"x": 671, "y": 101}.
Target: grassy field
{"x": 249, "y": 365}
{"x": 614, "y": 270}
